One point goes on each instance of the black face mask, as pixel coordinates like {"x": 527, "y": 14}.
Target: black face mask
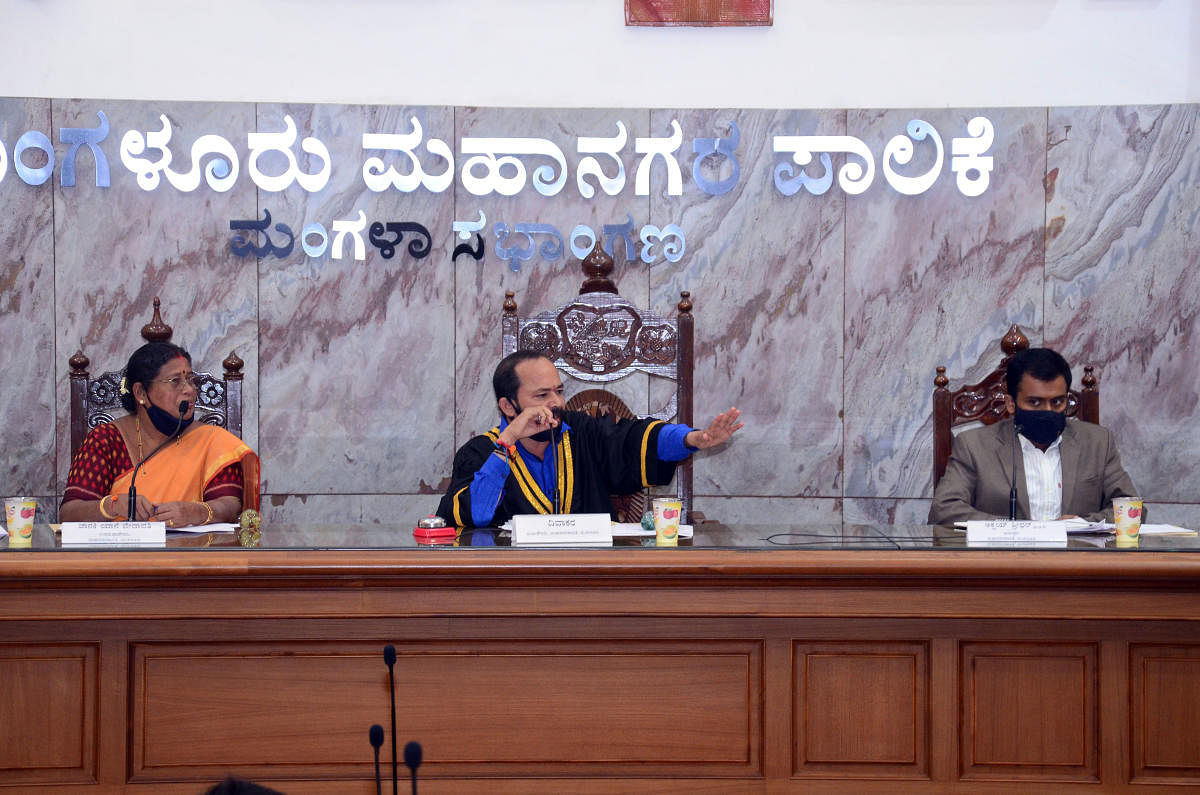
{"x": 1040, "y": 427}
{"x": 165, "y": 422}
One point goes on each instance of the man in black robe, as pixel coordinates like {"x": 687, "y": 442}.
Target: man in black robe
{"x": 543, "y": 459}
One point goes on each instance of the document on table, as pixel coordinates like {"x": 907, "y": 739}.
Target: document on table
{"x": 215, "y": 527}
{"x": 1165, "y": 530}
{"x": 635, "y": 530}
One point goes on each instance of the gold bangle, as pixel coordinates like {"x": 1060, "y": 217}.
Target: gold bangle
{"x": 208, "y": 508}
{"x": 103, "y": 512}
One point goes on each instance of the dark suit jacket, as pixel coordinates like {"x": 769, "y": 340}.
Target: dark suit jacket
{"x": 979, "y": 475}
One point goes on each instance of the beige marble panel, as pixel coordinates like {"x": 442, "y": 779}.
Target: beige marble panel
{"x": 933, "y": 279}
{"x": 117, "y": 248}
{"x": 766, "y": 511}
{"x": 357, "y": 388}
{"x": 392, "y": 510}
{"x": 540, "y": 283}
{"x": 1123, "y": 279}
{"x": 27, "y": 389}
{"x": 765, "y": 273}
{"x": 885, "y": 511}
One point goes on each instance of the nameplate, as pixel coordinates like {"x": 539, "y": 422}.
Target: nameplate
{"x": 562, "y": 530}
{"x": 1016, "y": 534}
{"x": 123, "y": 534}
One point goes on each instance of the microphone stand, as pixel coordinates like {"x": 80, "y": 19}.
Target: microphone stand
{"x": 412, "y": 758}
{"x": 389, "y": 657}
{"x": 1012, "y": 492}
{"x": 376, "y": 737}
{"x": 557, "y": 412}
{"x": 132, "y": 499}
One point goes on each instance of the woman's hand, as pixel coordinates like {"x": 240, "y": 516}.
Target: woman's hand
{"x": 187, "y": 514}
{"x": 179, "y": 514}
{"x": 119, "y": 506}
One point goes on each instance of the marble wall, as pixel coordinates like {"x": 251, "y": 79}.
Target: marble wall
{"x": 821, "y": 317}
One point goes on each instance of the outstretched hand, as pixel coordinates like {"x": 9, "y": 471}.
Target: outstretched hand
{"x": 717, "y": 432}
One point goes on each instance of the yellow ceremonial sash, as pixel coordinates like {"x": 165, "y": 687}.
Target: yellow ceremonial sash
{"x": 183, "y": 469}
{"x": 564, "y": 469}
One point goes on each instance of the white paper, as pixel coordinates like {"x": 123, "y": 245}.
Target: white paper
{"x": 1081, "y": 525}
{"x": 1165, "y": 530}
{"x": 215, "y": 527}
{"x": 635, "y": 530}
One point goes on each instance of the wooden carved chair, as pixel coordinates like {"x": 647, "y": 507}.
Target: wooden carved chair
{"x": 984, "y": 402}
{"x": 601, "y": 338}
{"x": 95, "y": 400}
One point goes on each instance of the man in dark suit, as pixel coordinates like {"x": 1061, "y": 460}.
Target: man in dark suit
{"x": 1063, "y": 469}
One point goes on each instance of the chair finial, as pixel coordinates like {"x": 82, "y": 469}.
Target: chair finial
{"x": 1015, "y": 340}
{"x": 685, "y": 302}
{"x": 940, "y": 381}
{"x": 233, "y": 365}
{"x": 1089, "y": 378}
{"x": 510, "y": 303}
{"x": 597, "y": 265}
{"x": 156, "y": 330}
{"x": 79, "y": 364}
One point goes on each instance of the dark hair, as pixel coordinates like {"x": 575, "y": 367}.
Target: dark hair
{"x": 144, "y": 366}
{"x": 1041, "y": 363}
{"x": 505, "y": 381}
{"x": 240, "y": 786}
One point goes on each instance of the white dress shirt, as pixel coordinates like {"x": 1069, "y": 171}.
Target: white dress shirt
{"x": 1043, "y": 479}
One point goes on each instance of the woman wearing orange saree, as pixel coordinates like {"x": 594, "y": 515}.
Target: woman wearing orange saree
{"x": 205, "y": 475}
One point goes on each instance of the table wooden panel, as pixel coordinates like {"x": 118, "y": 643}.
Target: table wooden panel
{"x": 698, "y": 670}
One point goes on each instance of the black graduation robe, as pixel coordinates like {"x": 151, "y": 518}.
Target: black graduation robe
{"x": 595, "y": 458}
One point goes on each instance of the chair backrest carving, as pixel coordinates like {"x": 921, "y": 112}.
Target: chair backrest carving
{"x": 984, "y": 402}
{"x": 96, "y": 400}
{"x": 600, "y": 338}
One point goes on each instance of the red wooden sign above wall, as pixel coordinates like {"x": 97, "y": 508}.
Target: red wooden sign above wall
{"x": 699, "y": 13}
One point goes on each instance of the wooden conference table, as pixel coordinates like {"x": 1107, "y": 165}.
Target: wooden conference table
{"x": 848, "y": 658}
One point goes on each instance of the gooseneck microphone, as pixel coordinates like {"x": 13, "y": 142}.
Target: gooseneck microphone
{"x": 389, "y": 657}
{"x": 554, "y": 437}
{"x": 132, "y": 500}
{"x": 376, "y": 736}
{"x": 412, "y": 758}
{"x": 1012, "y": 492}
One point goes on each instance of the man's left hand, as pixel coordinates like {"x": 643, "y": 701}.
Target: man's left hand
{"x": 717, "y": 432}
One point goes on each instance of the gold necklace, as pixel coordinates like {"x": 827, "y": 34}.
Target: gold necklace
{"x": 137, "y": 421}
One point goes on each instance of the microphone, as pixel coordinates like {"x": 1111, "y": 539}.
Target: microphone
{"x": 558, "y": 415}
{"x": 1012, "y": 492}
{"x": 132, "y": 500}
{"x": 412, "y": 758}
{"x": 389, "y": 657}
{"x": 376, "y": 736}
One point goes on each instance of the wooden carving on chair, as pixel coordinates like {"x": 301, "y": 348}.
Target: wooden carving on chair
{"x": 600, "y": 338}
{"x": 984, "y": 402}
{"x": 96, "y": 400}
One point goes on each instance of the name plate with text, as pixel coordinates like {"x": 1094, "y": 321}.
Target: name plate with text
{"x": 114, "y": 533}
{"x": 562, "y": 529}
{"x": 1016, "y": 534}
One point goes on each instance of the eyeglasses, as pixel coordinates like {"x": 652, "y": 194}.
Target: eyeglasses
{"x": 180, "y": 381}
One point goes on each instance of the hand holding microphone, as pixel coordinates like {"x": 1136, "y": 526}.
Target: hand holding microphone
{"x": 530, "y": 422}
